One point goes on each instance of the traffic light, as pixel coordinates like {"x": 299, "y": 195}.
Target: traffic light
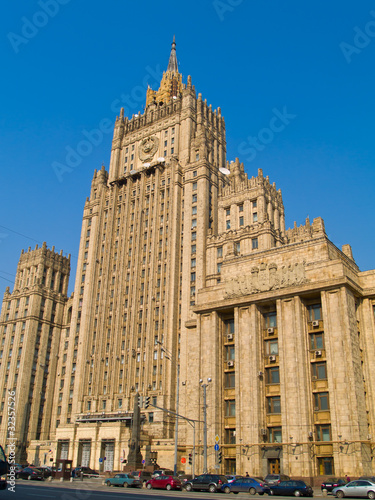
{"x": 147, "y": 402}
{"x": 219, "y": 456}
{"x": 190, "y": 458}
{"x": 140, "y": 401}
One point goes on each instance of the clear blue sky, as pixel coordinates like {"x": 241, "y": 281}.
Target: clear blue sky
{"x": 66, "y": 68}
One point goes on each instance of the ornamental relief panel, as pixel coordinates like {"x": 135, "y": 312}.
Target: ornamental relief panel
{"x": 148, "y": 148}
{"x": 264, "y": 278}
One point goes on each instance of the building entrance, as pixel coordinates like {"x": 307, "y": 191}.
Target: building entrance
{"x": 274, "y": 466}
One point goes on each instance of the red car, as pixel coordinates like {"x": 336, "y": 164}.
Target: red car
{"x": 164, "y": 483}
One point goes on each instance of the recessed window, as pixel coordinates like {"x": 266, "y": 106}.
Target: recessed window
{"x": 319, "y": 370}
{"x": 240, "y": 208}
{"x": 255, "y": 217}
{"x": 195, "y": 185}
{"x": 228, "y": 224}
{"x": 321, "y": 401}
{"x": 219, "y": 252}
{"x": 254, "y": 204}
{"x": 272, "y": 375}
{"x": 275, "y": 435}
{"x": 254, "y": 243}
{"x": 195, "y": 173}
{"x": 315, "y": 312}
{"x": 194, "y": 199}
{"x": 193, "y": 248}
{"x": 273, "y": 404}
{"x": 230, "y": 408}
{"x": 219, "y": 268}
{"x": 323, "y": 432}
{"x": 227, "y": 212}
{"x": 241, "y": 221}
{"x": 194, "y": 210}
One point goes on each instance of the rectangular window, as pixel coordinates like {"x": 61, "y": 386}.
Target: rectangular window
{"x": 227, "y": 212}
{"x": 321, "y": 401}
{"x": 230, "y": 408}
{"x": 272, "y": 375}
{"x": 316, "y": 341}
{"x": 255, "y": 217}
{"x": 219, "y": 267}
{"x": 229, "y": 353}
{"x": 273, "y": 404}
{"x": 193, "y": 248}
{"x": 194, "y": 199}
{"x": 254, "y": 243}
{"x": 194, "y": 210}
{"x": 254, "y": 204}
{"x": 319, "y": 370}
{"x": 229, "y": 326}
{"x": 315, "y": 312}
{"x": 272, "y": 347}
{"x": 194, "y": 223}
{"x": 193, "y": 262}
{"x": 229, "y": 380}
{"x": 241, "y": 221}
{"x": 230, "y": 436}
{"x": 219, "y": 252}
{"x": 270, "y": 320}
{"x": 275, "y": 435}
{"x": 227, "y": 224}
{"x": 195, "y": 185}
{"x": 325, "y": 466}
{"x": 193, "y": 236}
{"x": 323, "y": 432}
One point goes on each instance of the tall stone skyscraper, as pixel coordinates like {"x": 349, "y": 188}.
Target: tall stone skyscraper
{"x": 191, "y": 292}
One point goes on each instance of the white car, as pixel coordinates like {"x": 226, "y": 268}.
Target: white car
{"x": 358, "y": 488}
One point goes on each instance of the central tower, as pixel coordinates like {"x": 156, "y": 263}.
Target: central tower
{"x": 142, "y": 258}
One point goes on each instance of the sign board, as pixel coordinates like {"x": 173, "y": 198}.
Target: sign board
{"x": 100, "y": 460}
{"x": 217, "y": 438}
{"x": 183, "y": 460}
{"x": 143, "y": 461}
{"x": 216, "y": 447}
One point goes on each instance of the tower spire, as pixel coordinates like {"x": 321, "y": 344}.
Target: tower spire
{"x": 172, "y": 64}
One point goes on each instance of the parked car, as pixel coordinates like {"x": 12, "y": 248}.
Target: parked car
{"x": 46, "y": 471}
{"x": 332, "y": 482}
{"x": 232, "y": 478}
{"x": 206, "y": 482}
{"x": 368, "y": 478}
{"x": 358, "y": 488}
{"x": 142, "y": 475}
{"x": 296, "y": 488}
{"x": 164, "y": 483}
{"x": 85, "y": 471}
{"x": 162, "y": 472}
{"x": 246, "y": 484}
{"x": 184, "y": 478}
{"x": 30, "y": 473}
{"x": 123, "y": 480}
{"x": 272, "y": 479}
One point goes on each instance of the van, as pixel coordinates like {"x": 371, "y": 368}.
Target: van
{"x": 142, "y": 475}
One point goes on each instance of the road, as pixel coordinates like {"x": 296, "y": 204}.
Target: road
{"x": 94, "y": 490}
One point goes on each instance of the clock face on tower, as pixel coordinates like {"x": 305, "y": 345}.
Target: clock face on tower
{"x": 148, "y": 148}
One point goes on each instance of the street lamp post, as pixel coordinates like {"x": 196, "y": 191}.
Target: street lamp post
{"x": 172, "y": 359}
{"x": 205, "y": 424}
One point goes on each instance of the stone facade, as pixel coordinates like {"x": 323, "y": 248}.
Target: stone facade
{"x": 185, "y": 266}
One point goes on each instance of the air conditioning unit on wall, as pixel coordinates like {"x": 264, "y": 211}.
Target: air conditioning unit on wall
{"x": 270, "y": 331}
{"x": 230, "y": 336}
{"x": 230, "y": 364}
{"x": 315, "y": 323}
{"x": 272, "y": 358}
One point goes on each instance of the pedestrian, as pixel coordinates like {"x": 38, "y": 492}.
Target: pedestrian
{"x": 347, "y": 478}
{"x": 247, "y": 474}
{"x": 73, "y": 473}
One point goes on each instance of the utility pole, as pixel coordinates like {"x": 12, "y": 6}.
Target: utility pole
{"x": 205, "y": 424}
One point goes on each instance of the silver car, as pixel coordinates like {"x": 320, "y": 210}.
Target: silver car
{"x": 359, "y": 488}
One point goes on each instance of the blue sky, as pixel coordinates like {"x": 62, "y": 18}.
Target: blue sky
{"x": 68, "y": 64}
